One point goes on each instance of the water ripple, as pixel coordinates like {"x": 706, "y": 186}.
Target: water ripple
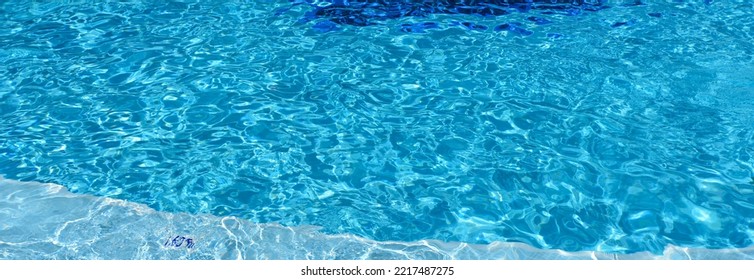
{"x": 613, "y": 139}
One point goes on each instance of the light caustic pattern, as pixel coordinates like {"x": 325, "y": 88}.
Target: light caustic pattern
{"x": 630, "y": 131}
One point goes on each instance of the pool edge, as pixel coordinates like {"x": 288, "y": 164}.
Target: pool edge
{"x": 106, "y": 228}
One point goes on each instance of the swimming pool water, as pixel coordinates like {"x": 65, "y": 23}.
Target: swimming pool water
{"x": 623, "y": 129}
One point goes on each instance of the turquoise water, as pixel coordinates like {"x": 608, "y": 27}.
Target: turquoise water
{"x": 619, "y": 130}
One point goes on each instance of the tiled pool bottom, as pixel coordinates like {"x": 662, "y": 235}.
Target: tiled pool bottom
{"x": 46, "y": 221}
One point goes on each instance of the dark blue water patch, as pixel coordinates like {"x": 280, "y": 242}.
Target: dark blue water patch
{"x": 514, "y": 28}
{"x": 371, "y": 12}
{"x": 635, "y": 3}
{"x": 418, "y": 27}
{"x": 325, "y": 26}
{"x": 471, "y": 26}
{"x": 539, "y": 20}
{"x": 623, "y": 23}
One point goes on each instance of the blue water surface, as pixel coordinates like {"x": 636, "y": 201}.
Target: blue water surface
{"x": 622, "y": 128}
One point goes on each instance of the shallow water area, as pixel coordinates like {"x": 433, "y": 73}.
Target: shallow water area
{"x": 45, "y": 221}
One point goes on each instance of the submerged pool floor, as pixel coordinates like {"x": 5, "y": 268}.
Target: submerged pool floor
{"x": 48, "y": 222}
{"x": 624, "y": 129}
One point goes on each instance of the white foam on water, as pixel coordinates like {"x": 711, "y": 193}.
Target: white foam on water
{"x": 46, "y": 221}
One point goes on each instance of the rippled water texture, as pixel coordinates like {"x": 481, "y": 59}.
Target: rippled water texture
{"x": 620, "y": 130}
